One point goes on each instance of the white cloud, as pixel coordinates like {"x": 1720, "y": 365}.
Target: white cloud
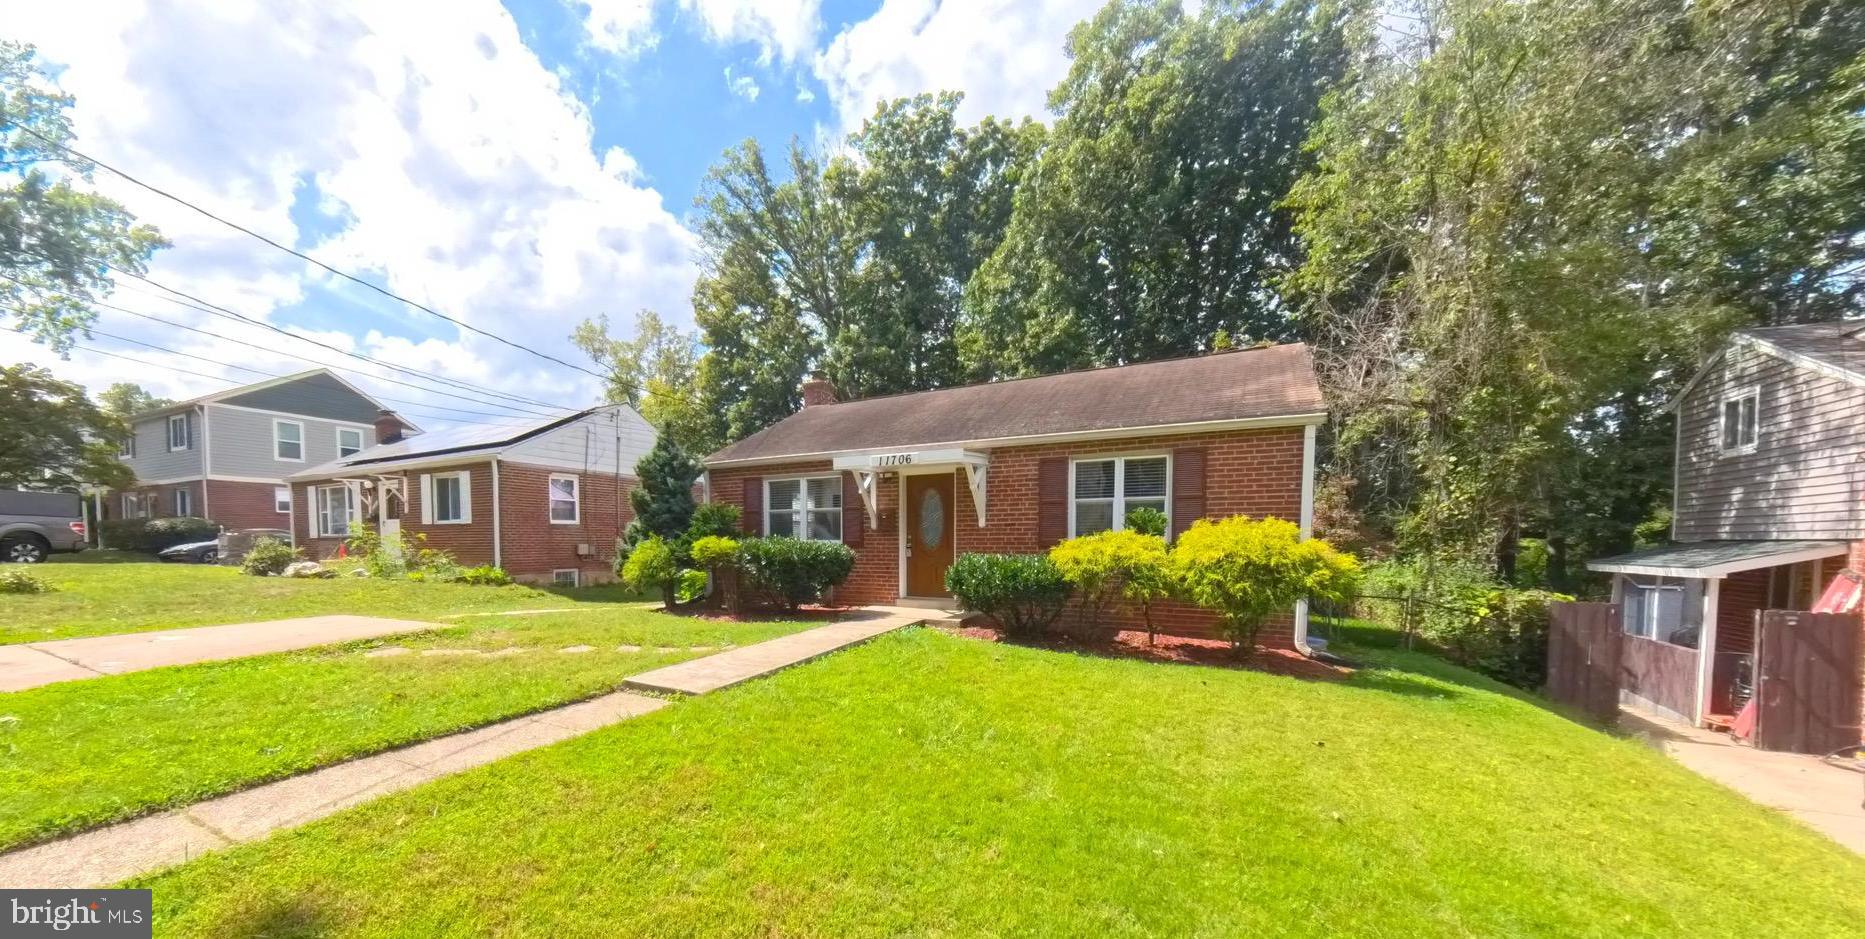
{"x": 804, "y": 95}
{"x": 624, "y": 27}
{"x": 1004, "y": 55}
{"x": 781, "y": 29}
{"x": 742, "y": 86}
{"x": 461, "y": 173}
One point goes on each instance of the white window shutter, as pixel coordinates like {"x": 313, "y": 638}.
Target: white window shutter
{"x": 466, "y": 497}
{"x": 427, "y": 499}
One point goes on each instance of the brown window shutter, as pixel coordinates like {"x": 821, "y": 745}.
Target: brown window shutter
{"x": 752, "y": 521}
{"x": 854, "y": 514}
{"x": 1051, "y": 501}
{"x": 1187, "y": 488}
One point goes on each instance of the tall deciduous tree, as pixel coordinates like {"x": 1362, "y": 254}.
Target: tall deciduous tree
{"x": 52, "y": 436}
{"x": 656, "y": 372}
{"x": 55, "y": 239}
{"x": 126, "y": 398}
{"x": 1152, "y": 220}
{"x": 1531, "y": 221}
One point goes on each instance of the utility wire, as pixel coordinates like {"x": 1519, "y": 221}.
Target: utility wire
{"x": 307, "y": 258}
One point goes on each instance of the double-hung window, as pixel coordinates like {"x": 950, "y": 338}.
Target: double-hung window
{"x": 810, "y": 509}
{"x": 1741, "y": 421}
{"x": 1104, "y": 490}
{"x": 565, "y": 506}
{"x": 349, "y": 441}
{"x": 177, "y": 432}
{"x": 281, "y": 499}
{"x": 288, "y": 441}
{"x": 336, "y": 508}
{"x": 184, "y": 502}
{"x": 452, "y": 498}
{"x": 126, "y": 448}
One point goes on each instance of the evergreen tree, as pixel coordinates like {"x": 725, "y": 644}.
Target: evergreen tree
{"x": 663, "y": 501}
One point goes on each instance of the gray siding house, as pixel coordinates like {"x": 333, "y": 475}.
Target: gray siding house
{"x": 225, "y": 456}
{"x": 1769, "y": 506}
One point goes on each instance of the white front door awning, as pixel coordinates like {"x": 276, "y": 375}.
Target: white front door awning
{"x": 868, "y": 466}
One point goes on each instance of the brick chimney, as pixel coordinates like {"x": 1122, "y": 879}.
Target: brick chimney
{"x": 817, "y": 389}
{"x": 388, "y": 427}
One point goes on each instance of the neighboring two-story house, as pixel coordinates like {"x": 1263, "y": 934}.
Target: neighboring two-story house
{"x": 225, "y": 456}
{"x": 1770, "y": 456}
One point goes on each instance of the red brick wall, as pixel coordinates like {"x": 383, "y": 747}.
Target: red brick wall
{"x": 240, "y": 505}
{"x": 530, "y": 547}
{"x": 533, "y": 547}
{"x": 164, "y": 506}
{"x": 1251, "y": 472}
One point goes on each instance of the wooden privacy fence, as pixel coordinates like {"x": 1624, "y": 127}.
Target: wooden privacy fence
{"x": 1808, "y": 672}
{"x": 1584, "y": 649}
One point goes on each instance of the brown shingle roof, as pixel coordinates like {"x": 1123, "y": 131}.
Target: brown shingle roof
{"x": 1276, "y": 381}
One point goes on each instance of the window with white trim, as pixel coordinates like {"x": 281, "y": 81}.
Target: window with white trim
{"x": 1665, "y": 609}
{"x": 349, "y": 441}
{"x": 281, "y": 499}
{"x": 184, "y": 502}
{"x": 1103, "y": 490}
{"x": 288, "y": 441}
{"x": 566, "y": 577}
{"x": 1741, "y": 421}
{"x": 135, "y": 505}
{"x": 809, "y": 508}
{"x": 177, "y": 432}
{"x": 564, "y": 493}
{"x": 336, "y": 508}
{"x": 126, "y": 448}
{"x": 451, "y": 496}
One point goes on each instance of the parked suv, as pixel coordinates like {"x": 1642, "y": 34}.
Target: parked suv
{"x": 33, "y": 525}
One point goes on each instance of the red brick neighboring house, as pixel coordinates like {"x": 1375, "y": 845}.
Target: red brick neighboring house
{"x": 545, "y": 500}
{"x": 910, "y": 481}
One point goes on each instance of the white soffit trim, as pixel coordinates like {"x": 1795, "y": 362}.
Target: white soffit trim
{"x": 1112, "y": 433}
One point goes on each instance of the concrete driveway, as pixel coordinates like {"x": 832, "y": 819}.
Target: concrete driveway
{"x": 29, "y": 665}
{"x": 1827, "y": 797}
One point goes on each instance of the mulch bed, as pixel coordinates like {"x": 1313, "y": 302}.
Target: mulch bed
{"x": 1180, "y": 650}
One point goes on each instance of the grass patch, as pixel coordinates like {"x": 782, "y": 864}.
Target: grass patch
{"x": 101, "y": 597}
{"x": 932, "y": 785}
{"x": 77, "y": 754}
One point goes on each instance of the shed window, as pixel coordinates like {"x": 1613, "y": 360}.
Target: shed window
{"x": 1741, "y": 421}
{"x": 1105, "y": 490}
{"x": 1667, "y": 609}
{"x": 810, "y": 508}
{"x": 288, "y": 441}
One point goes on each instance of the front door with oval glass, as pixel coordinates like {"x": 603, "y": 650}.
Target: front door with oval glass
{"x": 928, "y": 533}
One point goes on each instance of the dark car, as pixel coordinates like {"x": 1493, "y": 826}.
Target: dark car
{"x": 208, "y": 552}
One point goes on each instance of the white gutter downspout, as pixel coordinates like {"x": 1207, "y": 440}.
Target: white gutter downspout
{"x": 1308, "y": 527}
{"x": 497, "y": 554}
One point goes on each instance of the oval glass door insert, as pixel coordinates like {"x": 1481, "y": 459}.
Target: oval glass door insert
{"x": 932, "y": 519}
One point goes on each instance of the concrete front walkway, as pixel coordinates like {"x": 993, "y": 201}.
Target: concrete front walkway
{"x": 726, "y": 669}
{"x": 118, "y": 852}
{"x": 32, "y": 664}
{"x": 1829, "y": 798}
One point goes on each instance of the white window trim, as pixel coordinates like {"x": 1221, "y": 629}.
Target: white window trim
{"x": 183, "y": 418}
{"x": 801, "y": 525}
{"x": 352, "y": 505}
{"x": 126, "y": 450}
{"x": 576, "y": 577}
{"x": 362, "y": 440}
{"x": 286, "y": 502}
{"x": 1722, "y": 420}
{"x": 1119, "y": 500}
{"x": 576, "y": 484}
{"x": 276, "y": 440}
{"x": 431, "y": 517}
{"x": 177, "y": 497}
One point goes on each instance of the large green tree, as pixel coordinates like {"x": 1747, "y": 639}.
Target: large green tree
{"x": 656, "y": 372}
{"x": 53, "y": 436}
{"x": 55, "y": 239}
{"x": 1533, "y": 218}
{"x": 125, "y": 399}
{"x": 1153, "y": 220}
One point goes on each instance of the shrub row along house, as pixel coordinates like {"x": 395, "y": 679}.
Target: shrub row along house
{"x": 1767, "y": 515}
{"x": 910, "y": 481}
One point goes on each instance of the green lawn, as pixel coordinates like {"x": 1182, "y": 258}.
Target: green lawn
{"x": 78, "y": 754}
{"x": 929, "y": 784}
{"x": 99, "y": 593}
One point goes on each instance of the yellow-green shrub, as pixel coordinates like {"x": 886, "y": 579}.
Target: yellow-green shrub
{"x": 1246, "y": 570}
{"x": 1100, "y": 567}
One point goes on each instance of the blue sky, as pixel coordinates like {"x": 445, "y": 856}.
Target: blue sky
{"x": 520, "y": 166}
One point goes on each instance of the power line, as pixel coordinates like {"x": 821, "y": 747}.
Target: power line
{"x": 309, "y": 259}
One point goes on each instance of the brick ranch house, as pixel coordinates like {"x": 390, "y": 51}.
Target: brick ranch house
{"x": 545, "y": 500}
{"x": 910, "y": 481}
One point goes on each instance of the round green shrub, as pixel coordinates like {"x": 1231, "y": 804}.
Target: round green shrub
{"x": 793, "y": 571}
{"x": 268, "y": 557}
{"x": 1024, "y": 593}
{"x": 652, "y": 566}
{"x": 1246, "y": 570}
{"x": 714, "y": 551}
